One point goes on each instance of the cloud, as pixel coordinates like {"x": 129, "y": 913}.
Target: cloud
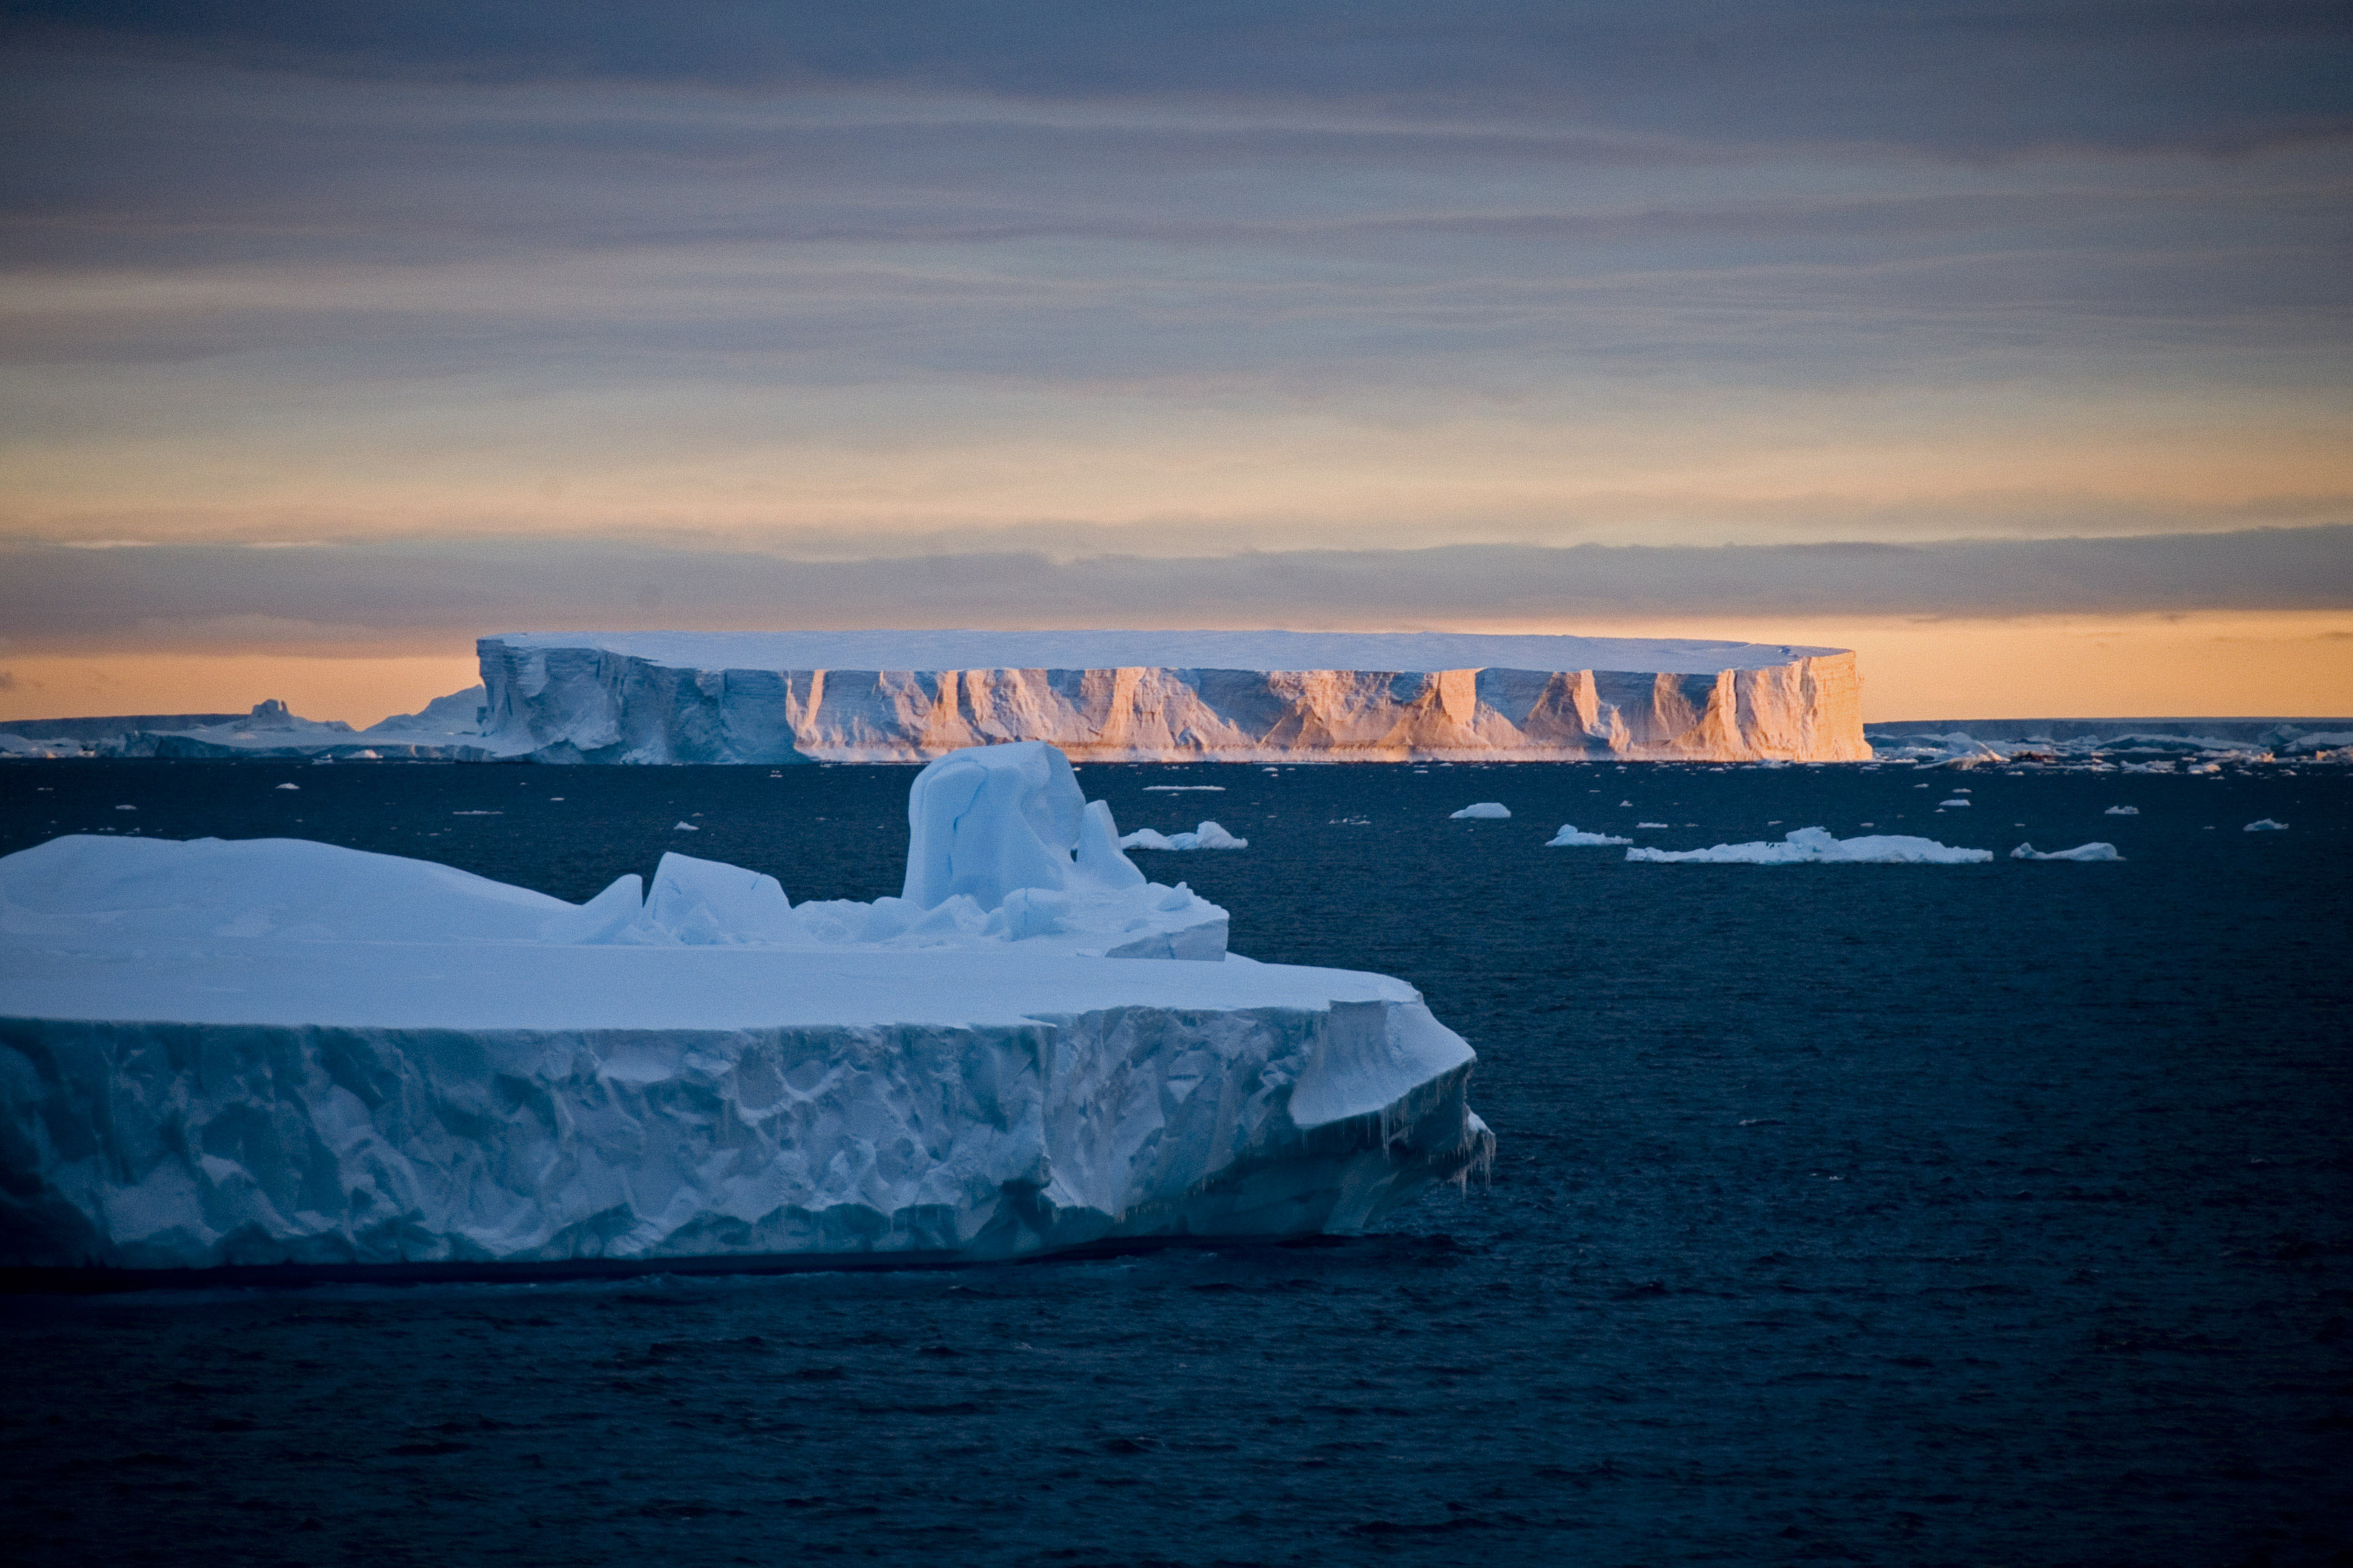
{"x": 1975, "y": 77}
{"x": 412, "y": 593}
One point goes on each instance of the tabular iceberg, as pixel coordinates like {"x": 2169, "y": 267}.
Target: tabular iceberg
{"x": 687, "y": 697}
{"x": 281, "y": 1052}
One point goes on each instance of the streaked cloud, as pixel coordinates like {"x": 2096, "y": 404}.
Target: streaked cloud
{"x": 441, "y": 593}
{"x": 519, "y": 313}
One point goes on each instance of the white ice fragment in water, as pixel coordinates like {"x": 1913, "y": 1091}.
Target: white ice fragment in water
{"x": 2265, "y": 825}
{"x": 126, "y": 808}
{"x": 1208, "y": 836}
{"x": 1568, "y": 837}
{"x": 1186, "y": 789}
{"x": 2122, "y": 811}
{"x": 1955, "y": 800}
{"x": 1814, "y": 846}
{"x": 289, "y": 787}
{"x": 681, "y": 828}
{"x": 2081, "y": 852}
{"x": 1484, "y": 811}
{"x": 1625, "y": 803}
{"x": 1639, "y": 826}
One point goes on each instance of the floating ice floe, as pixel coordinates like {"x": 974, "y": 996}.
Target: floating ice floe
{"x": 1947, "y": 804}
{"x": 1568, "y": 837}
{"x": 20, "y": 748}
{"x": 2081, "y": 852}
{"x": 1814, "y": 846}
{"x": 281, "y": 1052}
{"x": 2265, "y": 825}
{"x": 1641, "y": 826}
{"x": 1186, "y": 789}
{"x": 2123, "y": 810}
{"x": 680, "y": 827}
{"x": 1208, "y": 836}
{"x": 1484, "y": 811}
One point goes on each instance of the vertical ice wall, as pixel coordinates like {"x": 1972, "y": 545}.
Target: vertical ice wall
{"x": 1152, "y": 697}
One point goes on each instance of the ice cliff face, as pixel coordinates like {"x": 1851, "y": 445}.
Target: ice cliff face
{"x": 679, "y": 696}
{"x": 281, "y": 1052}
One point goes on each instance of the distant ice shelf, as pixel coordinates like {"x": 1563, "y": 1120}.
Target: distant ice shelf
{"x": 1137, "y": 696}
{"x": 280, "y": 1052}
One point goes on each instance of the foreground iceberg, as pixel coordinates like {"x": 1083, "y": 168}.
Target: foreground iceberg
{"x": 284, "y": 1053}
{"x": 1163, "y": 696}
{"x": 1568, "y": 837}
{"x": 1814, "y": 846}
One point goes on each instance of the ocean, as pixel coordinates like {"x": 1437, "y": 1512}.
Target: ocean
{"x": 1965, "y": 1215}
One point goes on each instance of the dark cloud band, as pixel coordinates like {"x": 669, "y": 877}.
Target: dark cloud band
{"x": 58, "y": 600}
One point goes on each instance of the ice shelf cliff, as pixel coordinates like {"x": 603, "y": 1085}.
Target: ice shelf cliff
{"x": 1134, "y": 696}
{"x": 275, "y": 1052}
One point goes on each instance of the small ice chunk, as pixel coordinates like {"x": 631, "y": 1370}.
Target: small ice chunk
{"x": 1639, "y": 826}
{"x": 1484, "y": 811}
{"x": 289, "y": 787}
{"x": 1957, "y": 800}
{"x": 708, "y": 903}
{"x": 1815, "y": 846}
{"x": 1183, "y": 789}
{"x": 2081, "y": 852}
{"x": 2265, "y": 825}
{"x": 681, "y": 828}
{"x": 1626, "y": 802}
{"x": 2122, "y": 811}
{"x": 126, "y": 808}
{"x": 1568, "y": 837}
{"x": 1208, "y": 836}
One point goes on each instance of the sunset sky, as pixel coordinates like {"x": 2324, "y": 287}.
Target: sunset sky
{"x": 2006, "y": 344}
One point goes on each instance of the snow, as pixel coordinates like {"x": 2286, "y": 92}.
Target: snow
{"x": 1160, "y": 696}
{"x": 1568, "y": 837}
{"x": 2265, "y": 825}
{"x": 2123, "y": 810}
{"x": 1416, "y": 652}
{"x": 1485, "y": 810}
{"x": 2081, "y": 852}
{"x": 278, "y": 1051}
{"x": 1814, "y": 846}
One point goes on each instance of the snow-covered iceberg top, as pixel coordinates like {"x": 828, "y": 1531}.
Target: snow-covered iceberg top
{"x": 1814, "y": 846}
{"x": 280, "y": 1052}
{"x": 1003, "y": 847}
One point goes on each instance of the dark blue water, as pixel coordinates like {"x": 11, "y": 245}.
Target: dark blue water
{"x": 1900, "y": 1215}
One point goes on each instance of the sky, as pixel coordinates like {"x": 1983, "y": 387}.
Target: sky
{"x": 2006, "y": 344}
